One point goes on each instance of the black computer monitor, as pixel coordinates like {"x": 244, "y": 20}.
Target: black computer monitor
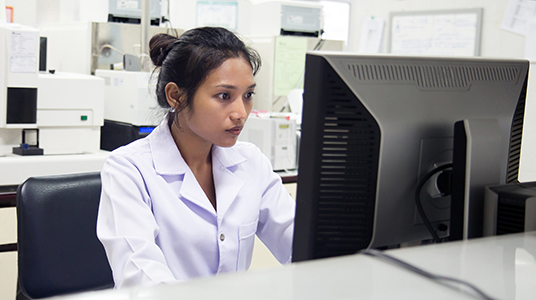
{"x": 375, "y": 125}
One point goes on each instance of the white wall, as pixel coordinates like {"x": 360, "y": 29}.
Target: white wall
{"x": 24, "y": 11}
{"x": 495, "y": 42}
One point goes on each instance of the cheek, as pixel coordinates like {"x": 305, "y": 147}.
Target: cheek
{"x": 249, "y": 106}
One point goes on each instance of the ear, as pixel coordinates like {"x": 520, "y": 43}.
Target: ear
{"x": 172, "y": 94}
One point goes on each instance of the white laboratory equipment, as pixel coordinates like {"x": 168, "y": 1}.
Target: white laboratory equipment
{"x": 271, "y": 18}
{"x": 130, "y": 107}
{"x": 130, "y": 11}
{"x": 44, "y": 113}
{"x": 18, "y": 83}
{"x": 69, "y": 112}
{"x": 275, "y": 135}
{"x": 130, "y": 112}
{"x": 83, "y": 47}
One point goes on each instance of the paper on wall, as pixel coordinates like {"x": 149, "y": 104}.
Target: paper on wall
{"x": 371, "y": 35}
{"x": 217, "y": 13}
{"x": 436, "y": 34}
{"x": 289, "y": 64}
{"x": 517, "y": 15}
{"x": 530, "y": 40}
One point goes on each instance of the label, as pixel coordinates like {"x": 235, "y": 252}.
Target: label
{"x": 23, "y": 52}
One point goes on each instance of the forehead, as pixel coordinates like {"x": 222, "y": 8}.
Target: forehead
{"x": 235, "y": 69}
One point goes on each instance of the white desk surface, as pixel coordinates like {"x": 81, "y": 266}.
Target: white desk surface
{"x": 503, "y": 267}
{"x": 16, "y": 169}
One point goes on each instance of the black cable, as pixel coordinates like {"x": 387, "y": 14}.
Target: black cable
{"x": 419, "y": 204}
{"x": 168, "y": 20}
{"x": 319, "y": 44}
{"x": 445, "y": 280}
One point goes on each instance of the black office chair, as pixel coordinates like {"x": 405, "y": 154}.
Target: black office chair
{"x": 58, "y": 249}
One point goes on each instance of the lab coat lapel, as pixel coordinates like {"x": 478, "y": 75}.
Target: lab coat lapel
{"x": 169, "y": 163}
{"x": 227, "y": 184}
{"x": 192, "y": 191}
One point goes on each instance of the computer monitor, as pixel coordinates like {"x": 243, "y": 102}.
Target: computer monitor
{"x": 375, "y": 125}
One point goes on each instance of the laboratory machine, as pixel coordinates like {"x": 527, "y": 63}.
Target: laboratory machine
{"x": 40, "y": 112}
{"x": 276, "y": 137}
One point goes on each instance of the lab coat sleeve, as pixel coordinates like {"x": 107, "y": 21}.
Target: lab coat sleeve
{"x": 127, "y": 228}
{"x": 276, "y": 220}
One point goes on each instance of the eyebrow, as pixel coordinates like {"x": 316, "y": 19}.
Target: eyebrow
{"x": 232, "y": 87}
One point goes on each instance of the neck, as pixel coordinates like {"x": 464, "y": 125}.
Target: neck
{"x": 195, "y": 152}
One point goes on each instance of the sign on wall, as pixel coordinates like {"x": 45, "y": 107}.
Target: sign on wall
{"x": 449, "y": 32}
{"x": 217, "y": 13}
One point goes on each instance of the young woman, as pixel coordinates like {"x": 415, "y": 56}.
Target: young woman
{"x": 187, "y": 200}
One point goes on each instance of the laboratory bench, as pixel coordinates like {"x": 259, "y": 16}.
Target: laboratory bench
{"x": 8, "y": 195}
{"x": 501, "y": 267}
{"x": 7, "y": 199}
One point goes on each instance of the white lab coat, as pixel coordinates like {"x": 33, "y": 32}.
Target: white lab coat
{"x": 158, "y": 226}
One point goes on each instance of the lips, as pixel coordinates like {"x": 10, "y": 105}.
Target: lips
{"x": 235, "y": 130}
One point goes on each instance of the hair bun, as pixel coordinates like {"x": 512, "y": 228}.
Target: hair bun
{"x": 159, "y": 47}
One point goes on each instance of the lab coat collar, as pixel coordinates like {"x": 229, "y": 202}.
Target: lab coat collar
{"x": 228, "y": 157}
{"x": 227, "y": 184}
{"x": 166, "y": 156}
{"x": 168, "y": 161}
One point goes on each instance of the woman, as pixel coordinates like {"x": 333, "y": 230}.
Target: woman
{"x": 187, "y": 200}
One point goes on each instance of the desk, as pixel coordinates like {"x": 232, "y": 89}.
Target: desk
{"x": 290, "y": 176}
{"x": 504, "y": 267}
{"x": 8, "y": 196}
{"x": 22, "y": 167}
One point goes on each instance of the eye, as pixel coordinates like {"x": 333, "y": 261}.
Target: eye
{"x": 249, "y": 95}
{"x": 224, "y": 96}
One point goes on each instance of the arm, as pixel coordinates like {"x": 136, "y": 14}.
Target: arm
{"x": 276, "y": 220}
{"x": 127, "y": 228}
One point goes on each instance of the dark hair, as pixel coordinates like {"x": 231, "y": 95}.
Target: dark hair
{"x": 188, "y": 59}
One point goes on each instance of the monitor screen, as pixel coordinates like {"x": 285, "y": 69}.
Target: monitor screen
{"x": 374, "y": 126}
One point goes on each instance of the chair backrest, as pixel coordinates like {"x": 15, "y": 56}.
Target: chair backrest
{"x": 58, "y": 249}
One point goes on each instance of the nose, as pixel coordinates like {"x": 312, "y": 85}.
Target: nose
{"x": 238, "y": 111}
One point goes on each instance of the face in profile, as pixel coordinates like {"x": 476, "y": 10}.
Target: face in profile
{"x": 221, "y": 104}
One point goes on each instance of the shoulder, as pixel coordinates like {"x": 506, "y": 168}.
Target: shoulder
{"x": 241, "y": 155}
{"x": 246, "y": 148}
{"x": 135, "y": 148}
{"x": 136, "y": 153}
{"x": 250, "y": 152}
{"x": 254, "y": 158}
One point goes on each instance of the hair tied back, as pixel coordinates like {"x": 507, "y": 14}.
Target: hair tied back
{"x": 160, "y": 45}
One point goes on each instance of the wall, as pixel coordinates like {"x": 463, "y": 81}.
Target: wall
{"x": 24, "y": 11}
{"x": 495, "y": 42}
